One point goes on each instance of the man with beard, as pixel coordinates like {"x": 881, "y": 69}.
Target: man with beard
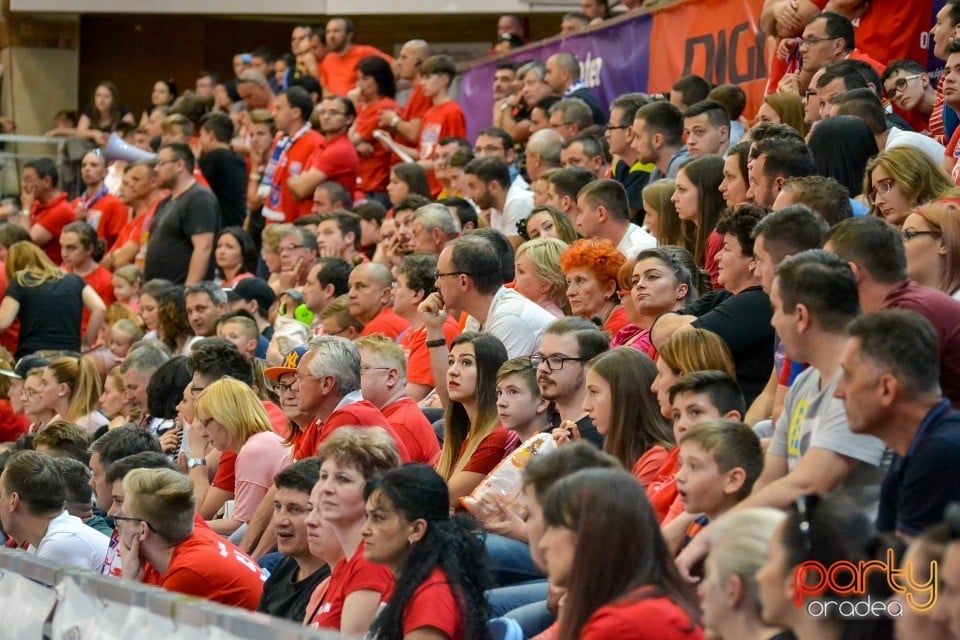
{"x": 488, "y": 180}
{"x": 338, "y": 69}
{"x": 568, "y": 344}
{"x": 336, "y": 158}
{"x": 185, "y": 223}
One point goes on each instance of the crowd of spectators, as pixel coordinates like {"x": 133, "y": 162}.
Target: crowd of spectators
{"x": 284, "y": 358}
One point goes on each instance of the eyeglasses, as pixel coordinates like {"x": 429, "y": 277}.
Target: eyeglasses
{"x": 626, "y": 126}
{"x": 292, "y": 247}
{"x": 554, "y": 363}
{"x": 901, "y": 84}
{"x": 809, "y": 42}
{"x": 452, "y": 273}
{"x": 364, "y": 368}
{"x": 31, "y": 392}
{"x": 883, "y": 187}
{"x": 331, "y": 113}
{"x": 128, "y": 519}
{"x": 283, "y": 387}
{"x": 909, "y": 234}
{"x": 159, "y": 162}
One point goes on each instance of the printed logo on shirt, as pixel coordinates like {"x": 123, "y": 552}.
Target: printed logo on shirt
{"x": 428, "y": 139}
{"x": 795, "y": 433}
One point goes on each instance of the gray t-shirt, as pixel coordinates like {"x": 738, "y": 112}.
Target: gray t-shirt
{"x": 814, "y": 418}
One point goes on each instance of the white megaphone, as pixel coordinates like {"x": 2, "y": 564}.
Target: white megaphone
{"x": 117, "y": 149}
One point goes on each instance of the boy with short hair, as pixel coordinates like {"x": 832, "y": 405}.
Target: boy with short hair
{"x": 242, "y": 332}
{"x": 719, "y": 462}
{"x": 519, "y": 404}
{"x": 699, "y": 396}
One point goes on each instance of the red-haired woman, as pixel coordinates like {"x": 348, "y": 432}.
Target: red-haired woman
{"x": 591, "y": 267}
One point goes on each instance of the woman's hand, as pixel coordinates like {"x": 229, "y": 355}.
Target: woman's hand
{"x": 565, "y": 433}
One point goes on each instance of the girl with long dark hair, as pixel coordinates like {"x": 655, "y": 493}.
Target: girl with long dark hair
{"x": 473, "y": 440}
{"x": 437, "y": 559}
{"x": 699, "y": 205}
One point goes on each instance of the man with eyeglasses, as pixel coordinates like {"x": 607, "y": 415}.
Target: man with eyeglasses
{"x": 383, "y": 381}
{"x": 288, "y": 157}
{"x": 568, "y": 344}
{"x": 32, "y": 499}
{"x": 298, "y": 253}
{"x": 828, "y": 37}
{"x": 908, "y": 87}
{"x": 335, "y": 158}
{"x": 185, "y": 223}
{"x": 570, "y": 116}
{"x": 161, "y": 544}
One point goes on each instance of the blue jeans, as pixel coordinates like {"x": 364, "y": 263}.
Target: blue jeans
{"x": 510, "y": 561}
{"x": 534, "y": 618}
{"x": 505, "y": 599}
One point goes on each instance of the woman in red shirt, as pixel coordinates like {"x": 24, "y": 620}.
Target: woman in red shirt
{"x": 474, "y": 441}
{"x": 356, "y": 588}
{"x": 591, "y": 267}
{"x": 438, "y": 560}
{"x": 377, "y": 89}
{"x": 603, "y": 544}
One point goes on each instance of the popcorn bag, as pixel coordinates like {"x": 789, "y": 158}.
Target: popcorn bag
{"x": 507, "y": 478}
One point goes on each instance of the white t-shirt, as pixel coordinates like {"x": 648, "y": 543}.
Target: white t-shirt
{"x": 70, "y": 543}
{"x": 517, "y": 207}
{"x": 900, "y": 138}
{"x": 518, "y": 322}
{"x": 635, "y": 241}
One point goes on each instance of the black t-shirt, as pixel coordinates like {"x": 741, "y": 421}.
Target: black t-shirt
{"x": 918, "y": 488}
{"x": 193, "y": 212}
{"x": 49, "y": 314}
{"x": 91, "y": 113}
{"x": 743, "y": 322}
{"x": 226, "y": 172}
{"x": 633, "y": 182}
{"x": 585, "y": 426}
{"x": 599, "y": 114}
{"x": 283, "y": 596}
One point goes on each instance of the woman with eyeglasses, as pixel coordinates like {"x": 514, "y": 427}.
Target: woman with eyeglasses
{"x": 901, "y": 179}
{"x": 474, "y": 441}
{"x": 626, "y": 586}
{"x": 824, "y": 530}
{"x": 232, "y": 418}
{"x": 931, "y": 238}
{"x": 437, "y": 559}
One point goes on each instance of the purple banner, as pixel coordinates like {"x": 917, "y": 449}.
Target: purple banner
{"x": 614, "y": 59}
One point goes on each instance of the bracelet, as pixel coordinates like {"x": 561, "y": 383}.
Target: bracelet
{"x": 395, "y": 122}
{"x": 439, "y": 342}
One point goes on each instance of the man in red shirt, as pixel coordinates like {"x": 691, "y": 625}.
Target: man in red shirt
{"x": 406, "y": 125}
{"x": 156, "y": 525}
{"x": 335, "y": 158}
{"x": 338, "y": 69}
{"x": 383, "y": 380}
{"x": 328, "y": 387}
{"x": 443, "y": 119}
{"x": 48, "y": 208}
{"x": 102, "y": 210}
{"x": 288, "y": 156}
{"x": 142, "y": 193}
{"x": 370, "y": 295}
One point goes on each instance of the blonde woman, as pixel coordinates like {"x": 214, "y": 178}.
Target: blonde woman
{"x": 49, "y": 303}
{"x": 931, "y": 238}
{"x": 71, "y": 388}
{"x": 729, "y": 596}
{"x": 232, "y": 418}
{"x": 538, "y": 274}
{"x": 902, "y": 178}
{"x": 113, "y": 400}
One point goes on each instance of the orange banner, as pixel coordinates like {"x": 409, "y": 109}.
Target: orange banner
{"x": 717, "y": 39}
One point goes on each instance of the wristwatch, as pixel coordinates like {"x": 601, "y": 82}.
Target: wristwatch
{"x": 196, "y": 462}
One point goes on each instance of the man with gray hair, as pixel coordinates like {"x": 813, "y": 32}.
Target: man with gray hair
{"x": 563, "y": 76}
{"x": 543, "y": 152}
{"x": 408, "y": 122}
{"x": 328, "y": 388}
{"x": 254, "y": 90}
{"x": 137, "y": 369}
{"x": 570, "y": 116}
{"x": 298, "y": 252}
{"x": 433, "y": 227}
